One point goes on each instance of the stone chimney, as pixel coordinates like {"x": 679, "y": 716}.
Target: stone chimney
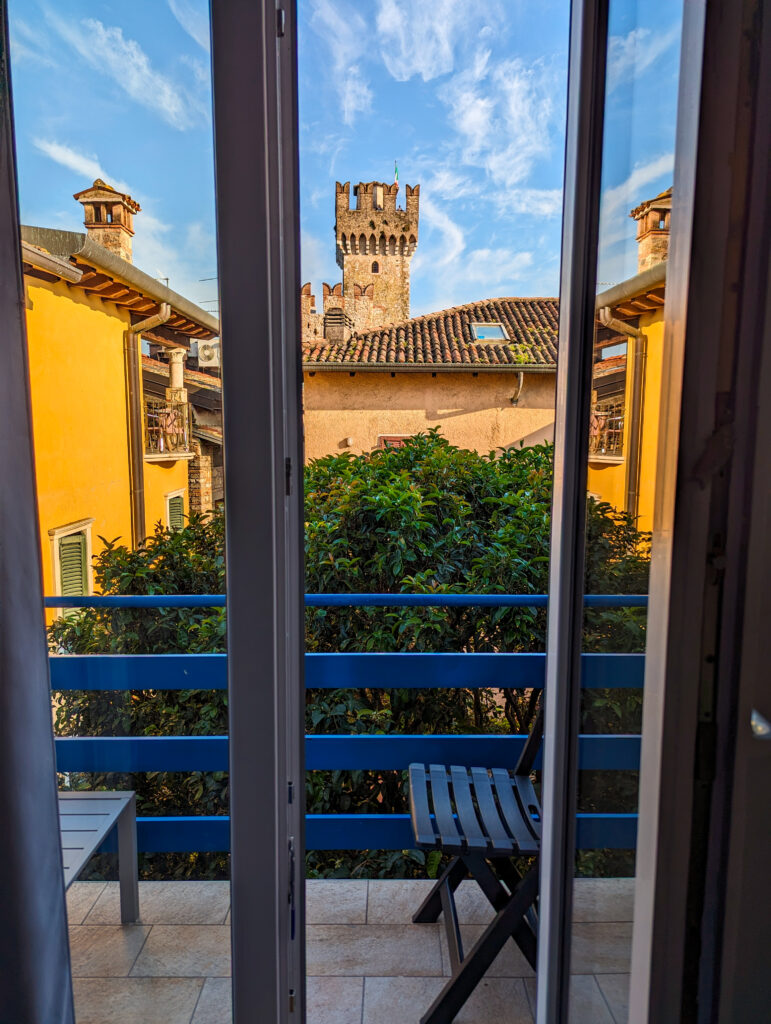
{"x": 652, "y": 218}
{"x": 109, "y": 217}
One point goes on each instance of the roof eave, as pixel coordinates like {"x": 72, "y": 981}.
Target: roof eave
{"x": 69, "y": 244}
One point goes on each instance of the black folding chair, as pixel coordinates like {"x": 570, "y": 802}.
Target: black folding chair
{"x": 483, "y": 817}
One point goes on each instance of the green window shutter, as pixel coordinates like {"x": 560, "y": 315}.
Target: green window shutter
{"x": 72, "y": 565}
{"x": 176, "y": 512}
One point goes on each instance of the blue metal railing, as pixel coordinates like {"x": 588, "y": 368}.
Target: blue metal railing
{"x": 341, "y": 752}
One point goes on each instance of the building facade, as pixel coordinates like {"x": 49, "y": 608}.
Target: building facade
{"x": 111, "y": 460}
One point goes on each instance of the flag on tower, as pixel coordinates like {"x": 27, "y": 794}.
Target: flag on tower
{"x": 396, "y": 174}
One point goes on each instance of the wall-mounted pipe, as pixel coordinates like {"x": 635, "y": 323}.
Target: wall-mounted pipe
{"x": 131, "y": 349}
{"x": 634, "y": 458}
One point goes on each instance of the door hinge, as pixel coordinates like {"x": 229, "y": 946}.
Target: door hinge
{"x": 280, "y": 22}
{"x": 288, "y": 472}
{"x": 290, "y": 793}
{"x": 291, "y": 1000}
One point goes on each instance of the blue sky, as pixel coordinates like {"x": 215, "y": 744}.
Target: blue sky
{"x": 468, "y": 97}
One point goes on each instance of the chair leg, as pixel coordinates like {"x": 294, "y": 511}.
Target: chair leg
{"x": 127, "y": 863}
{"x": 524, "y": 933}
{"x": 448, "y": 1003}
{"x": 431, "y": 907}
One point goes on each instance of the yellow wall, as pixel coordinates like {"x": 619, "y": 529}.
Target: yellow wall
{"x": 79, "y": 415}
{"x": 609, "y": 480}
{"x": 471, "y": 412}
{"x": 161, "y": 480}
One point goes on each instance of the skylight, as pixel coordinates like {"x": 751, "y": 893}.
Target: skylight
{"x": 489, "y": 332}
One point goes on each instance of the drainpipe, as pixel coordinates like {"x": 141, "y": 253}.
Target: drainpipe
{"x": 606, "y": 318}
{"x": 132, "y": 353}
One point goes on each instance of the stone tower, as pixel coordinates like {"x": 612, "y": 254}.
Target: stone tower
{"x": 375, "y": 242}
{"x": 652, "y": 218}
{"x": 109, "y": 217}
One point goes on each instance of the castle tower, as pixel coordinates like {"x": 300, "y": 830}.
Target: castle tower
{"x": 652, "y": 218}
{"x": 375, "y": 242}
{"x": 109, "y": 217}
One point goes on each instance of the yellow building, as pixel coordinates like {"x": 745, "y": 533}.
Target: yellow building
{"x": 109, "y": 463}
{"x": 626, "y": 391}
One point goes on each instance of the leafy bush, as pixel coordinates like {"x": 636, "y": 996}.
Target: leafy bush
{"x": 426, "y": 518}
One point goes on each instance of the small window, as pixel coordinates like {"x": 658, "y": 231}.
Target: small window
{"x": 392, "y": 440}
{"x": 489, "y": 332}
{"x": 375, "y": 267}
{"x": 175, "y": 508}
{"x": 73, "y": 568}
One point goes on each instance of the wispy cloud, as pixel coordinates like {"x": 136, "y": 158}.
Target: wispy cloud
{"x": 631, "y": 55}
{"x": 346, "y": 35}
{"x": 449, "y": 239}
{"x": 123, "y": 60}
{"x": 541, "y": 202}
{"x": 418, "y": 38}
{"x": 29, "y": 46}
{"x": 193, "y": 16}
{"x": 630, "y": 192}
{"x": 85, "y": 164}
{"x": 506, "y": 114}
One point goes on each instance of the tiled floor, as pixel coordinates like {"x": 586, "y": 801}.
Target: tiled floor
{"x": 367, "y": 963}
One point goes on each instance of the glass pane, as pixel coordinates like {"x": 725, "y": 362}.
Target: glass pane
{"x": 116, "y": 187}
{"x": 638, "y": 161}
{"x": 431, "y": 162}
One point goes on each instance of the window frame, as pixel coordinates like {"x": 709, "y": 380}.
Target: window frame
{"x": 55, "y": 535}
{"x": 180, "y": 493}
{"x": 492, "y": 323}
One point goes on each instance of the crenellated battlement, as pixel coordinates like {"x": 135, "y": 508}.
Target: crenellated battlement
{"x": 374, "y": 241}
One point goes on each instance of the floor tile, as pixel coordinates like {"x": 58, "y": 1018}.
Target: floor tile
{"x": 215, "y": 1004}
{"x": 356, "y": 950}
{"x": 167, "y": 903}
{"x": 510, "y": 962}
{"x": 332, "y": 901}
{"x": 615, "y": 988}
{"x": 387, "y": 1000}
{"x": 394, "y": 902}
{"x": 131, "y": 1000}
{"x": 601, "y": 948}
{"x": 587, "y": 1005}
{"x": 603, "y": 899}
{"x": 107, "y": 952}
{"x": 334, "y": 1000}
{"x": 81, "y": 896}
{"x": 185, "y": 951}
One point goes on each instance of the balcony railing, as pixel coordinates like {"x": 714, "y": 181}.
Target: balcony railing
{"x": 340, "y": 752}
{"x": 606, "y": 431}
{"x": 168, "y": 428}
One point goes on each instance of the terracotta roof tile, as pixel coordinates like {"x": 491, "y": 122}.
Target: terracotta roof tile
{"x": 445, "y": 339}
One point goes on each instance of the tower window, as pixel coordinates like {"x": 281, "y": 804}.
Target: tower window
{"x": 376, "y": 267}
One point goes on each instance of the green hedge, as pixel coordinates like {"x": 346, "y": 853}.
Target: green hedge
{"x": 427, "y": 518}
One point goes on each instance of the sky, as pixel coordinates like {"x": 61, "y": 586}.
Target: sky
{"x": 468, "y": 98}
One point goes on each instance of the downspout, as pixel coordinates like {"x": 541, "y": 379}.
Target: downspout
{"x": 607, "y": 319}
{"x": 131, "y": 349}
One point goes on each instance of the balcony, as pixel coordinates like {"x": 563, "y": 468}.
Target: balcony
{"x": 168, "y": 430}
{"x": 606, "y": 433}
{"x": 365, "y": 957}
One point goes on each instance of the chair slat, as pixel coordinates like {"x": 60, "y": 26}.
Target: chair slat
{"x": 445, "y": 821}
{"x": 422, "y": 825}
{"x": 494, "y": 827}
{"x": 510, "y": 807}
{"x": 464, "y": 804}
{"x": 529, "y": 802}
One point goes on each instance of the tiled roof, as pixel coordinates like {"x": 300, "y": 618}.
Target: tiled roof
{"x": 205, "y": 380}
{"x": 444, "y": 339}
